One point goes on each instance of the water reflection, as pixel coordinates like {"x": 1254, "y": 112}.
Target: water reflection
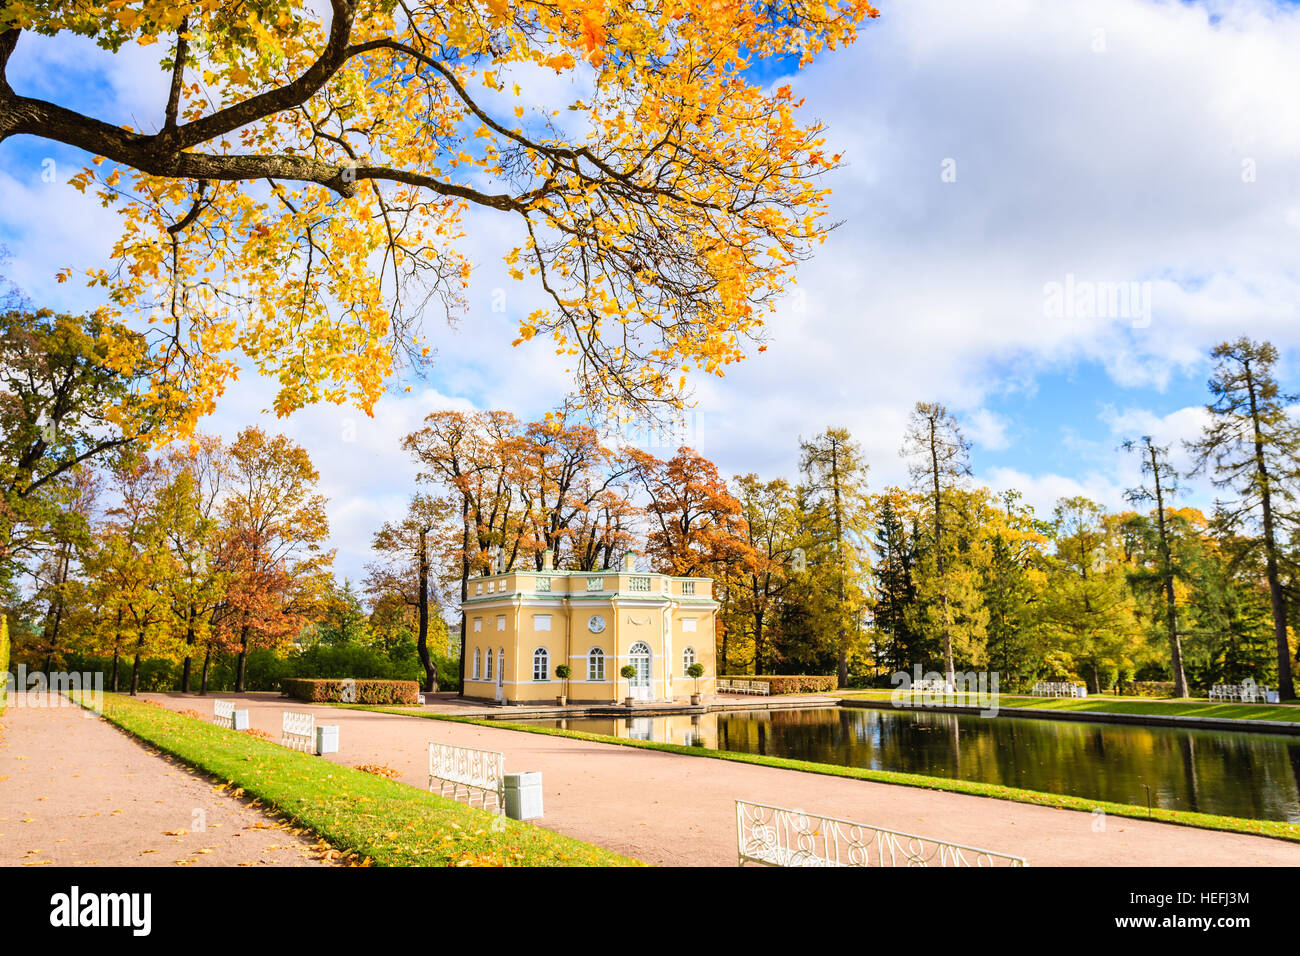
{"x": 1237, "y": 774}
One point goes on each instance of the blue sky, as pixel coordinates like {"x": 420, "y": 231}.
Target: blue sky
{"x": 992, "y": 151}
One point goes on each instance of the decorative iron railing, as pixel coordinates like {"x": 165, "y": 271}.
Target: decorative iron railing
{"x": 298, "y": 731}
{"x": 223, "y": 713}
{"x": 775, "y": 836}
{"x": 480, "y": 773}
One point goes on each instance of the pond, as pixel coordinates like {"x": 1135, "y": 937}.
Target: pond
{"x": 1232, "y": 773}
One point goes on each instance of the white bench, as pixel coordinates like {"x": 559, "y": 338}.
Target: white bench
{"x": 760, "y": 687}
{"x": 481, "y": 773}
{"x": 223, "y": 713}
{"x": 775, "y": 836}
{"x": 298, "y": 731}
{"x": 1059, "y": 689}
{"x": 1247, "y": 692}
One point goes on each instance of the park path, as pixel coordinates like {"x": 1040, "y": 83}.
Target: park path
{"x": 76, "y": 791}
{"x": 678, "y": 810}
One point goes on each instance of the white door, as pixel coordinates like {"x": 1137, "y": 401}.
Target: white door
{"x": 501, "y": 675}
{"x": 640, "y": 657}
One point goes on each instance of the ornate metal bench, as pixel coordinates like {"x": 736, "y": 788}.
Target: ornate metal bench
{"x": 1046, "y": 688}
{"x": 480, "y": 773}
{"x": 223, "y": 713}
{"x": 298, "y": 731}
{"x": 774, "y": 836}
{"x": 1248, "y": 692}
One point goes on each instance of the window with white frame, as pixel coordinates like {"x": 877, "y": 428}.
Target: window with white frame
{"x": 638, "y": 584}
{"x": 478, "y": 588}
{"x": 688, "y": 658}
{"x": 478, "y": 625}
{"x": 541, "y": 664}
{"x": 492, "y": 586}
{"x": 543, "y": 584}
{"x": 688, "y": 625}
{"x": 595, "y": 664}
{"x": 487, "y": 669}
{"x": 478, "y": 663}
{"x": 688, "y": 587}
{"x": 541, "y": 622}
{"x": 595, "y": 584}
{"x": 501, "y": 622}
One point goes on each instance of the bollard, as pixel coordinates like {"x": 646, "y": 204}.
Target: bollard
{"x": 327, "y": 739}
{"x": 524, "y": 795}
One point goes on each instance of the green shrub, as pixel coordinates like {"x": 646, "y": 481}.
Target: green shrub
{"x": 793, "y": 683}
{"x": 332, "y": 690}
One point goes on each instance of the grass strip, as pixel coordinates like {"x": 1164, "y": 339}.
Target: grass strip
{"x": 384, "y": 821}
{"x": 1130, "y": 705}
{"x": 1205, "y": 821}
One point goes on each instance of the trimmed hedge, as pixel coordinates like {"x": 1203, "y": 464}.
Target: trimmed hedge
{"x": 1150, "y": 688}
{"x": 792, "y": 683}
{"x": 331, "y": 690}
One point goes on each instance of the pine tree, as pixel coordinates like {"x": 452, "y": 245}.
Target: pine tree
{"x": 1252, "y": 447}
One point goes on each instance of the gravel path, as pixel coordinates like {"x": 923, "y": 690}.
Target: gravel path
{"x": 673, "y": 809}
{"x": 76, "y": 791}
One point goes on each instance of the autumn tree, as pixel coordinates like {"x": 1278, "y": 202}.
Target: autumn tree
{"x": 1251, "y": 446}
{"x": 771, "y": 523}
{"x": 1088, "y": 608}
{"x": 407, "y": 548}
{"x": 66, "y": 385}
{"x": 695, "y": 524}
{"x": 313, "y": 164}
{"x": 274, "y": 524}
{"x": 836, "y": 472}
{"x": 939, "y": 460}
{"x": 133, "y": 564}
{"x": 1163, "y": 478}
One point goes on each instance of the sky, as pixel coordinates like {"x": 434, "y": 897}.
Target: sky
{"x": 1002, "y": 160}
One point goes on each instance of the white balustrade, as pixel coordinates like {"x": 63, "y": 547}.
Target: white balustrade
{"x": 298, "y": 731}
{"x": 775, "y": 836}
{"x": 480, "y": 773}
{"x": 223, "y": 713}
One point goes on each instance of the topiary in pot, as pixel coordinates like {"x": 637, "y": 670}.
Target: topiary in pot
{"x": 628, "y": 672}
{"x": 563, "y": 672}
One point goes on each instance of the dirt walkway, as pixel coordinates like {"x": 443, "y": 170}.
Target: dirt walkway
{"x": 673, "y": 809}
{"x": 76, "y": 791}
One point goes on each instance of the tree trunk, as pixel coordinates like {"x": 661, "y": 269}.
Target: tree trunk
{"x": 1167, "y": 572}
{"x": 203, "y": 680}
{"x": 946, "y": 632}
{"x": 243, "y": 659}
{"x": 1285, "y": 686}
{"x": 422, "y": 643}
{"x": 135, "y": 666}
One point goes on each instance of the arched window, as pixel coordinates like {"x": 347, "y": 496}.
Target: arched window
{"x": 478, "y": 662}
{"x": 501, "y": 666}
{"x": 487, "y": 670}
{"x": 541, "y": 664}
{"x": 688, "y": 658}
{"x": 595, "y": 664}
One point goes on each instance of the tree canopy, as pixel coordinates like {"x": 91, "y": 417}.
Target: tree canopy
{"x": 301, "y": 197}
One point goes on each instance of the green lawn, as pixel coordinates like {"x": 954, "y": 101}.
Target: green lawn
{"x": 1182, "y": 707}
{"x": 383, "y": 821}
{"x": 1206, "y": 821}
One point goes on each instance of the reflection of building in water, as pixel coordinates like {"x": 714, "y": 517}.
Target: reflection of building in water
{"x": 521, "y": 625}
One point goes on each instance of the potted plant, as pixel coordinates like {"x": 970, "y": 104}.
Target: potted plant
{"x": 628, "y": 672}
{"x": 695, "y": 672}
{"x": 563, "y": 672}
